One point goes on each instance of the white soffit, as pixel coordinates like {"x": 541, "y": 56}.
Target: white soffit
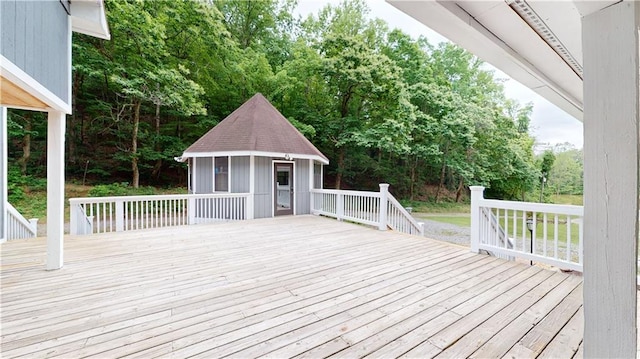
{"x": 88, "y": 17}
{"x": 495, "y": 32}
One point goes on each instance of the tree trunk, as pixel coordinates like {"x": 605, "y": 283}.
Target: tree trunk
{"x": 158, "y": 166}
{"x": 443, "y": 172}
{"x": 459, "y": 190}
{"x": 26, "y": 144}
{"x": 341, "y": 155}
{"x": 134, "y": 145}
{"x": 413, "y": 179}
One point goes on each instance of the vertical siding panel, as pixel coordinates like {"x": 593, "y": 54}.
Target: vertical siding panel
{"x": 302, "y": 187}
{"x": 263, "y": 183}
{"x": 8, "y": 29}
{"x": 204, "y": 175}
{"x": 34, "y": 36}
{"x": 240, "y": 174}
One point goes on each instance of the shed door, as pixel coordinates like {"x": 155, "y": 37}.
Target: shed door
{"x": 283, "y": 191}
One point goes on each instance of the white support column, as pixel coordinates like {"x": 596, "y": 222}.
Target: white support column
{"x": 311, "y": 165}
{"x": 611, "y": 115}
{"x": 477, "y": 195}
{"x": 252, "y": 188}
{"x": 56, "y": 123}
{"x": 3, "y": 174}
{"x": 384, "y": 195}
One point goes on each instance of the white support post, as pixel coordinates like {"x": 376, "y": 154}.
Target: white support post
{"x": 611, "y": 154}
{"x": 3, "y": 174}
{"x": 339, "y": 206}
{"x": 252, "y": 188}
{"x": 384, "y": 195}
{"x": 56, "y": 123}
{"x": 311, "y": 195}
{"x": 477, "y": 195}
{"x": 119, "y": 215}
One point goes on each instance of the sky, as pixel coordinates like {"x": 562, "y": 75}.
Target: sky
{"x": 549, "y": 124}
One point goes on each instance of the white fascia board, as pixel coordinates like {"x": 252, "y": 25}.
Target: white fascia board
{"x": 21, "y": 79}
{"x": 252, "y": 153}
{"x": 88, "y": 17}
{"x": 452, "y": 22}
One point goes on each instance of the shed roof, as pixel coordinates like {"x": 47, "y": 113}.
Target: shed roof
{"x": 255, "y": 128}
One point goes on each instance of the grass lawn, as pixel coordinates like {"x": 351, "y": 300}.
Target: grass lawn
{"x": 458, "y": 219}
{"x": 567, "y": 199}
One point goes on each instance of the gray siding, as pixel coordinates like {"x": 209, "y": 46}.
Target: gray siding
{"x": 240, "y": 174}
{"x": 317, "y": 175}
{"x": 34, "y": 35}
{"x": 302, "y": 193}
{"x": 263, "y": 201}
{"x": 204, "y": 175}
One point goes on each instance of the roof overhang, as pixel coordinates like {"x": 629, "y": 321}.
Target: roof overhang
{"x": 19, "y": 90}
{"x": 287, "y": 156}
{"x": 89, "y": 17}
{"x": 537, "y": 43}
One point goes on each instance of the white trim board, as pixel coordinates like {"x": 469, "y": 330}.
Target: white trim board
{"x": 21, "y": 79}
{"x": 253, "y": 153}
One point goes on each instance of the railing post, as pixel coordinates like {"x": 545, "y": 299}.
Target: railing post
{"x": 191, "y": 210}
{"x": 339, "y": 206}
{"x": 311, "y": 198}
{"x": 73, "y": 218}
{"x": 477, "y": 195}
{"x": 384, "y": 194}
{"x": 119, "y": 215}
{"x": 33, "y": 223}
{"x": 249, "y": 207}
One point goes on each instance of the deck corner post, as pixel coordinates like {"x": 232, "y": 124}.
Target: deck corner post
{"x": 477, "y": 195}
{"x": 249, "y": 207}
{"x": 56, "y": 126}
{"x": 339, "y": 206}
{"x": 119, "y": 215}
{"x": 610, "y": 43}
{"x": 384, "y": 199}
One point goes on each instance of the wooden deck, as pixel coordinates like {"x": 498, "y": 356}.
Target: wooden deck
{"x": 296, "y": 286}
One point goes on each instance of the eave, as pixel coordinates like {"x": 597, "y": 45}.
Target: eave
{"x": 88, "y": 17}
{"x": 495, "y": 32}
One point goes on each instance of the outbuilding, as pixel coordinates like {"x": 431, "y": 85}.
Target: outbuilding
{"x": 256, "y": 150}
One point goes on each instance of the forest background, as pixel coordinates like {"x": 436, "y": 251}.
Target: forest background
{"x": 430, "y": 119}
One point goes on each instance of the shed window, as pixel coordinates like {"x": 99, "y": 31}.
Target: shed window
{"x": 221, "y": 174}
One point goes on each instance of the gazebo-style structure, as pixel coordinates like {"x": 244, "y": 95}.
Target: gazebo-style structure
{"x": 256, "y": 150}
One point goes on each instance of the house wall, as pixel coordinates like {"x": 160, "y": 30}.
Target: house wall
{"x": 302, "y": 194}
{"x": 240, "y": 174}
{"x": 203, "y": 175}
{"x": 35, "y": 36}
{"x": 263, "y": 201}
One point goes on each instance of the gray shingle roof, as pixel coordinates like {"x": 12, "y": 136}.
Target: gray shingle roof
{"x": 255, "y": 126}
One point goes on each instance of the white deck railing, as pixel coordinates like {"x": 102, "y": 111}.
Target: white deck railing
{"x": 379, "y": 209}
{"x": 125, "y": 213}
{"x": 555, "y": 237}
{"x": 19, "y": 227}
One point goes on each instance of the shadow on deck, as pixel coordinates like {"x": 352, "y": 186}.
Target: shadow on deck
{"x": 291, "y": 286}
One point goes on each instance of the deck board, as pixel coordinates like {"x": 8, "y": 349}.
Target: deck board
{"x": 301, "y": 286}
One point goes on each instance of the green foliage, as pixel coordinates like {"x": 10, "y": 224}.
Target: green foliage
{"x": 120, "y": 189}
{"x": 384, "y": 107}
{"x": 566, "y": 175}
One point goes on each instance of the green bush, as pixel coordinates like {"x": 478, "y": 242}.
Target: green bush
{"x": 119, "y": 189}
